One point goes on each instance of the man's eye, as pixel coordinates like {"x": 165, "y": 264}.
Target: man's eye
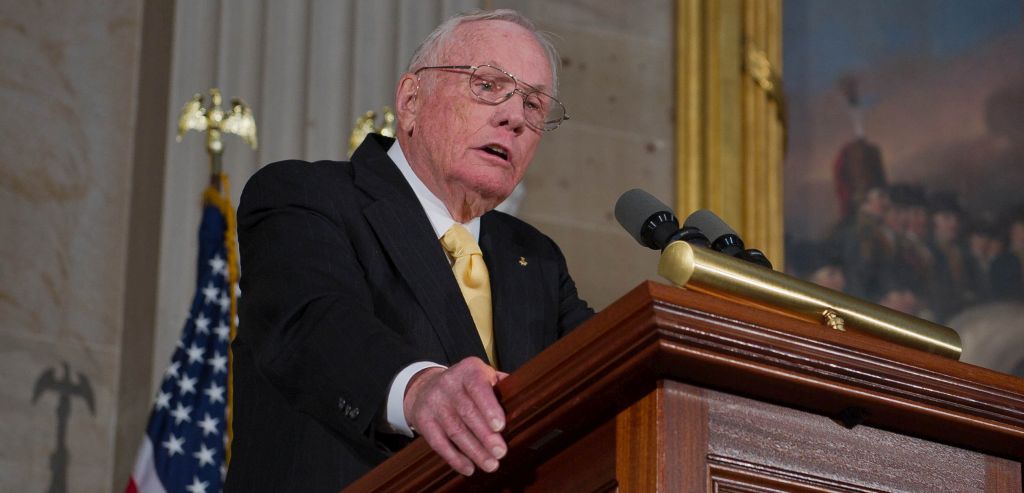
{"x": 535, "y": 103}
{"x": 485, "y": 85}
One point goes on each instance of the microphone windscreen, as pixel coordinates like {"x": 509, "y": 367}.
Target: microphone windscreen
{"x": 634, "y": 208}
{"x": 708, "y": 223}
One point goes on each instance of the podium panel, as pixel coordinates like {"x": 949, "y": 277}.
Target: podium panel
{"x": 714, "y": 441}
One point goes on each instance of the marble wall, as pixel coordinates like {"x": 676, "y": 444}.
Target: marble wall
{"x": 68, "y": 92}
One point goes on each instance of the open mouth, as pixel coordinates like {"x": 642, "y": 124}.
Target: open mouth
{"x": 496, "y": 150}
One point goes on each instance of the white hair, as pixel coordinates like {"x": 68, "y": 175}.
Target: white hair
{"x": 431, "y": 49}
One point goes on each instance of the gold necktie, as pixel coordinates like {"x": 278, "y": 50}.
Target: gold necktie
{"x": 471, "y": 274}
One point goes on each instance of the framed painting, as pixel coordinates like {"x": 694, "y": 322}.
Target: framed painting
{"x": 905, "y": 166}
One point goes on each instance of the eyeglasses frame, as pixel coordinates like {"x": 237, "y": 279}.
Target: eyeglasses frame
{"x": 525, "y": 95}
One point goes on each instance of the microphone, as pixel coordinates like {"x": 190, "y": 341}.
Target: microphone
{"x": 723, "y": 238}
{"x": 652, "y": 223}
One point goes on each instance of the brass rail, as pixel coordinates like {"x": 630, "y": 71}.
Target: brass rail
{"x": 704, "y": 270}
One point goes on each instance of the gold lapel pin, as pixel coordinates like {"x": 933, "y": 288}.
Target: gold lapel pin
{"x": 522, "y": 261}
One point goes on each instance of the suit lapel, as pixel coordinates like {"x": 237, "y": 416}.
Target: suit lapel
{"x": 405, "y": 234}
{"x": 515, "y": 297}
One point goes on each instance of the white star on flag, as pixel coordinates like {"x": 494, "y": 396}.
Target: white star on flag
{"x": 205, "y": 455}
{"x": 210, "y": 293}
{"x": 222, "y": 331}
{"x": 202, "y": 324}
{"x": 186, "y": 384}
{"x": 195, "y": 353}
{"x": 214, "y": 392}
{"x": 218, "y": 362}
{"x": 174, "y": 445}
{"x": 172, "y": 370}
{"x": 163, "y": 401}
{"x": 219, "y": 266}
{"x": 180, "y": 414}
{"x": 208, "y": 424}
{"x": 197, "y": 486}
{"x": 224, "y": 302}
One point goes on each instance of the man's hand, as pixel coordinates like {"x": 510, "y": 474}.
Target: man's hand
{"x": 456, "y": 411}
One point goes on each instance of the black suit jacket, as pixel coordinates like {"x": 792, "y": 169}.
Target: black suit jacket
{"x": 344, "y": 283}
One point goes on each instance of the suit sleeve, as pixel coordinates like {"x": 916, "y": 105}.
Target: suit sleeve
{"x": 306, "y": 311}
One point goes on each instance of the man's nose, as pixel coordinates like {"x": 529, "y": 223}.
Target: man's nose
{"x": 511, "y": 113}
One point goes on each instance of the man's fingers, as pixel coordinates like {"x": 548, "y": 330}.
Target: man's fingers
{"x": 478, "y": 424}
{"x": 467, "y": 441}
{"x": 483, "y": 396}
{"x": 438, "y": 440}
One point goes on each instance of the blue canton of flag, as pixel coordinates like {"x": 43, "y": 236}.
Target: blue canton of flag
{"x": 186, "y": 439}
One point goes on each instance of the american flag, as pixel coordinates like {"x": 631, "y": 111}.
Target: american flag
{"x": 186, "y": 442}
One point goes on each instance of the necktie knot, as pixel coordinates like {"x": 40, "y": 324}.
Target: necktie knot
{"x": 459, "y": 242}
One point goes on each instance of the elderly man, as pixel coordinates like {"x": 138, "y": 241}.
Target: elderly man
{"x": 383, "y": 296}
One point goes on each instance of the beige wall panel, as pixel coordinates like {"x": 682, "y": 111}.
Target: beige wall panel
{"x": 13, "y": 474}
{"x": 415, "y": 19}
{"x": 580, "y": 171}
{"x": 62, "y": 168}
{"x": 282, "y": 111}
{"x": 374, "y": 55}
{"x": 615, "y": 80}
{"x": 641, "y": 18}
{"x": 31, "y": 437}
{"x": 67, "y": 89}
{"x": 605, "y": 264}
{"x": 327, "y": 108}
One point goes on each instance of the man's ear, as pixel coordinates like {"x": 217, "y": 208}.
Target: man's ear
{"x": 407, "y": 102}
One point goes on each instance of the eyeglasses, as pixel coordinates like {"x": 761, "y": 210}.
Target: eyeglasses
{"x": 493, "y": 85}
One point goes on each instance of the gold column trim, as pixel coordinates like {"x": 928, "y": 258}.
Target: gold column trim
{"x": 691, "y": 109}
{"x": 767, "y": 77}
{"x": 729, "y": 115}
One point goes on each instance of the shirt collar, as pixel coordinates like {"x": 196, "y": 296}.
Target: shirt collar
{"x": 437, "y": 213}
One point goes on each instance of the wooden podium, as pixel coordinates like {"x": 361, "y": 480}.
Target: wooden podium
{"x": 671, "y": 390}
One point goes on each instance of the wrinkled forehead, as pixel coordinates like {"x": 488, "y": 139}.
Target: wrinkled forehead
{"x": 503, "y": 44}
